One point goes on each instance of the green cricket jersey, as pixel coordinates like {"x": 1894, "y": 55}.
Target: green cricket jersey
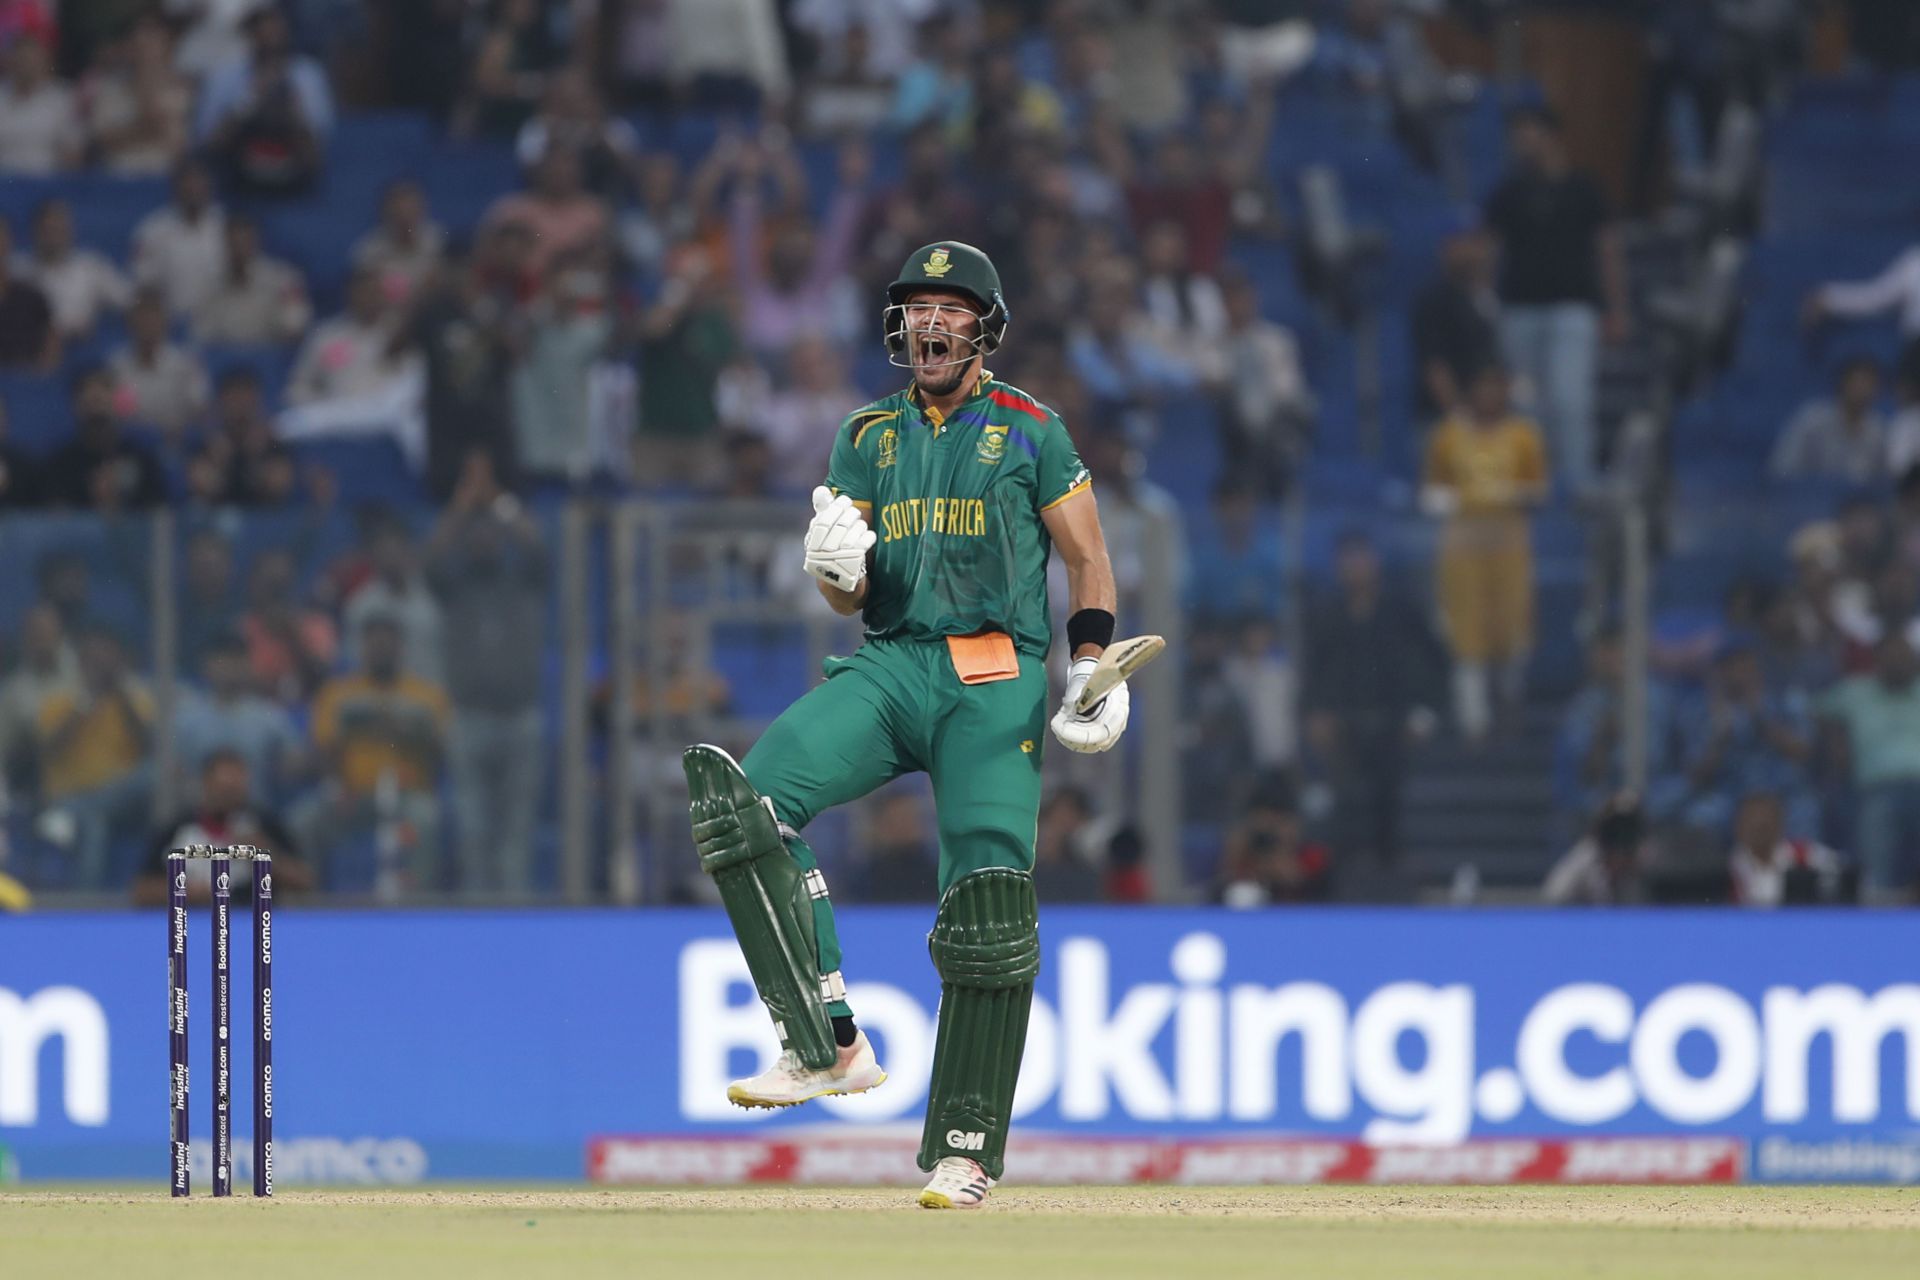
{"x": 956, "y": 505}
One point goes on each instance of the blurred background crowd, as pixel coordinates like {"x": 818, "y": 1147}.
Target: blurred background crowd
{"x": 1510, "y": 408}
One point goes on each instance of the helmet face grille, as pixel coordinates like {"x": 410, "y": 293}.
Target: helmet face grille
{"x": 950, "y": 267}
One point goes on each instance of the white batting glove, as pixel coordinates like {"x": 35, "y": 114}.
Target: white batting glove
{"x": 837, "y": 541}
{"x": 1101, "y": 725}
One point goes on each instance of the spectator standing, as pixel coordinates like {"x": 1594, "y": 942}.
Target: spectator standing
{"x": 100, "y": 467}
{"x": 562, "y": 218}
{"x": 1485, "y": 470}
{"x": 265, "y": 117}
{"x": 1185, "y": 311}
{"x": 1456, "y": 324}
{"x": 489, "y": 571}
{"x": 290, "y": 648}
{"x": 1267, "y": 406}
{"x": 687, "y": 339}
{"x": 136, "y": 104}
{"x": 351, "y": 355}
{"x": 568, "y": 325}
{"x": 405, "y": 249}
{"x": 1560, "y": 263}
{"x": 96, "y": 747}
{"x": 518, "y": 50}
{"x": 28, "y": 337}
{"x": 661, "y": 219}
{"x": 228, "y": 717}
{"x": 1874, "y": 732}
{"x": 804, "y": 285}
{"x": 209, "y": 610}
{"x": 255, "y": 300}
{"x": 1374, "y": 675}
{"x": 382, "y": 734}
{"x": 398, "y": 589}
{"x": 181, "y": 250}
{"x": 46, "y": 666}
{"x": 1607, "y": 866}
{"x": 573, "y": 117}
{"x": 81, "y": 285}
{"x": 161, "y": 383}
{"x": 466, "y": 330}
{"x": 1179, "y": 187}
{"x": 40, "y": 128}
{"x": 800, "y": 418}
{"x": 1844, "y": 438}
{"x": 1769, "y": 868}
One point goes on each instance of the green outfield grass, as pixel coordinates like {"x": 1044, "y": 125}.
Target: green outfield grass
{"x": 1389, "y": 1233}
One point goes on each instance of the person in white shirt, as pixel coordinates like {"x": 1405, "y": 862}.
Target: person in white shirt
{"x": 801, "y": 419}
{"x": 1767, "y": 868}
{"x": 181, "y": 250}
{"x": 350, "y": 354}
{"x": 136, "y": 103}
{"x": 405, "y": 247}
{"x": 1186, "y": 313}
{"x": 162, "y": 384}
{"x": 81, "y": 285}
{"x": 40, "y": 130}
{"x": 256, "y": 300}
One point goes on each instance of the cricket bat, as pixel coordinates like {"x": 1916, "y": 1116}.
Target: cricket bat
{"x": 1122, "y": 659}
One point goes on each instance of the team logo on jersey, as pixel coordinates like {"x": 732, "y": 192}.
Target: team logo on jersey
{"x": 936, "y": 264}
{"x": 889, "y": 449}
{"x": 993, "y": 442}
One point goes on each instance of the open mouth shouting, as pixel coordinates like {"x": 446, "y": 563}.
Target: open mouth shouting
{"x": 935, "y": 348}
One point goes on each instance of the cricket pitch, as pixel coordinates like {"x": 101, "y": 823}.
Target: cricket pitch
{"x": 1095, "y": 1233}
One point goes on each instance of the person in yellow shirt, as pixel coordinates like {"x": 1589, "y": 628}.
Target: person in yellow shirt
{"x": 383, "y": 733}
{"x": 1486, "y": 468}
{"x": 96, "y": 747}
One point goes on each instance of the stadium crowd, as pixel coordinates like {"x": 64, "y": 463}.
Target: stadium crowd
{"x": 693, "y": 320}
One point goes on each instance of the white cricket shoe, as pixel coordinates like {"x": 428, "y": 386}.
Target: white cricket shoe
{"x": 787, "y": 1083}
{"x": 958, "y": 1183}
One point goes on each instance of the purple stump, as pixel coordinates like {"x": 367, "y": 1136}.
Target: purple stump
{"x": 263, "y": 1024}
{"x": 222, "y": 1026}
{"x": 177, "y": 1017}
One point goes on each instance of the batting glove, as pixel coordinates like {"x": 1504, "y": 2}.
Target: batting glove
{"x": 837, "y": 541}
{"x": 1100, "y": 726}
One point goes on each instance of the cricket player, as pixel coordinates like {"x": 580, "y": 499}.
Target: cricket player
{"x": 941, "y": 505}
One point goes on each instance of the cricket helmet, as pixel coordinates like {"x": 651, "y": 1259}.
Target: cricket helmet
{"x": 952, "y": 267}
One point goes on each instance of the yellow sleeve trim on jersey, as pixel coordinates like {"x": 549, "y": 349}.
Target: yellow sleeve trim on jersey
{"x": 1082, "y": 487}
{"x": 866, "y": 425}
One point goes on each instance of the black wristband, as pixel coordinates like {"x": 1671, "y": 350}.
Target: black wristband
{"x": 1089, "y": 626}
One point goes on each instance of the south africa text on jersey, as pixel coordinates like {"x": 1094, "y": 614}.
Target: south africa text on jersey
{"x": 956, "y": 517}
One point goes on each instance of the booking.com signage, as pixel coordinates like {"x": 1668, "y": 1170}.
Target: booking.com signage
{"x": 468, "y": 1045}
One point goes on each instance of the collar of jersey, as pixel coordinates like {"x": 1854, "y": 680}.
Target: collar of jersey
{"x": 934, "y": 415}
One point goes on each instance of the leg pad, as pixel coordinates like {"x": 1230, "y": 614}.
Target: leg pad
{"x": 767, "y": 897}
{"x": 986, "y": 946}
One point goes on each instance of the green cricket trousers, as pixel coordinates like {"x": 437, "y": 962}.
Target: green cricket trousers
{"x": 896, "y": 707}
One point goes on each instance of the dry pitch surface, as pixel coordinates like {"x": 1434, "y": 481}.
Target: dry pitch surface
{"x": 1388, "y": 1233}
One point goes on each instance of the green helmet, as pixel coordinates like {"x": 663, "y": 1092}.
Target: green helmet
{"x": 957, "y": 268}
